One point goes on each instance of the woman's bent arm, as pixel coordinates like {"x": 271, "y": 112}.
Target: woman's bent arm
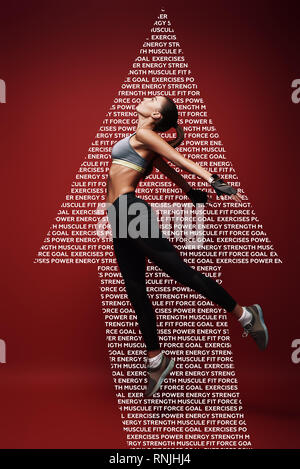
{"x": 170, "y": 172}
{"x": 157, "y": 144}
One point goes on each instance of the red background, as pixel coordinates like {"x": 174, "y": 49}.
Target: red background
{"x": 63, "y": 63}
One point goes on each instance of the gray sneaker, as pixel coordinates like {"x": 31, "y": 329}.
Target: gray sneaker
{"x": 257, "y": 328}
{"x": 157, "y": 375}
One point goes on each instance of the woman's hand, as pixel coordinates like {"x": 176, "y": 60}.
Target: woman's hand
{"x": 222, "y": 188}
{"x": 236, "y": 197}
{"x": 197, "y": 196}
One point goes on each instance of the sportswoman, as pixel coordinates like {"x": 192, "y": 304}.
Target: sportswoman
{"x": 133, "y": 158}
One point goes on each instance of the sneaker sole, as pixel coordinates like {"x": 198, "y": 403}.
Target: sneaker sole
{"x": 162, "y": 377}
{"x": 263, "y": 325}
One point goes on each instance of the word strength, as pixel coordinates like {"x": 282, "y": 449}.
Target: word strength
{"x": 166, "y": 458}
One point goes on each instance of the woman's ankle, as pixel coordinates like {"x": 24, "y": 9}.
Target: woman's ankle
{"x": 153, "y": 353}
{"x": 237, "y": 311}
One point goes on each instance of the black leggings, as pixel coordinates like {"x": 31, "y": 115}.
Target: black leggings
{"x": 131, "y": 253}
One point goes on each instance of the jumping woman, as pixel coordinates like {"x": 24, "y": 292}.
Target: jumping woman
{"x": 133, "y": 158}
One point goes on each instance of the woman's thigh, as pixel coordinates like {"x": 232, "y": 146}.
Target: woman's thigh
{"x": 162, "y": 252}
{"x": 132, "y": 262}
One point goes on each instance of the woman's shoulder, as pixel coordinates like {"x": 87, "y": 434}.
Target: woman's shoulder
{"x": 149, "y": 138}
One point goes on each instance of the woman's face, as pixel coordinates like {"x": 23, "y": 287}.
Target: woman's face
{"x": 151, "y": 107}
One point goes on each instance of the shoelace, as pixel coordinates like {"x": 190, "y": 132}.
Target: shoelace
{"x": 247, "y": 329}
{"x": 252, "y": 333}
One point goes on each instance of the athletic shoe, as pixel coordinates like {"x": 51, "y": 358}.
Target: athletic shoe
{"x": 257, "y": 328}
{"x": 157, "y": 375}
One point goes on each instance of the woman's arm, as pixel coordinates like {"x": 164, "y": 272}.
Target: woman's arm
{"x": 195, "y": 195}
{"x": 176, "y": 177}
{"x": 157, "y": 144}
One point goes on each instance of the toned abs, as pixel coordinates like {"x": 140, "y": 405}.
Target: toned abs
{"x": 122, "y": 179}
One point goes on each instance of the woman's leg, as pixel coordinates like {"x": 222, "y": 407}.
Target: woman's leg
{"x": 132, "y": 263}
{"x": 167, "y": 257}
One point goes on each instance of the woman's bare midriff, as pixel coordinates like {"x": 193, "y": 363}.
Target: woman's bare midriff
{"x": 122, "y": 179}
